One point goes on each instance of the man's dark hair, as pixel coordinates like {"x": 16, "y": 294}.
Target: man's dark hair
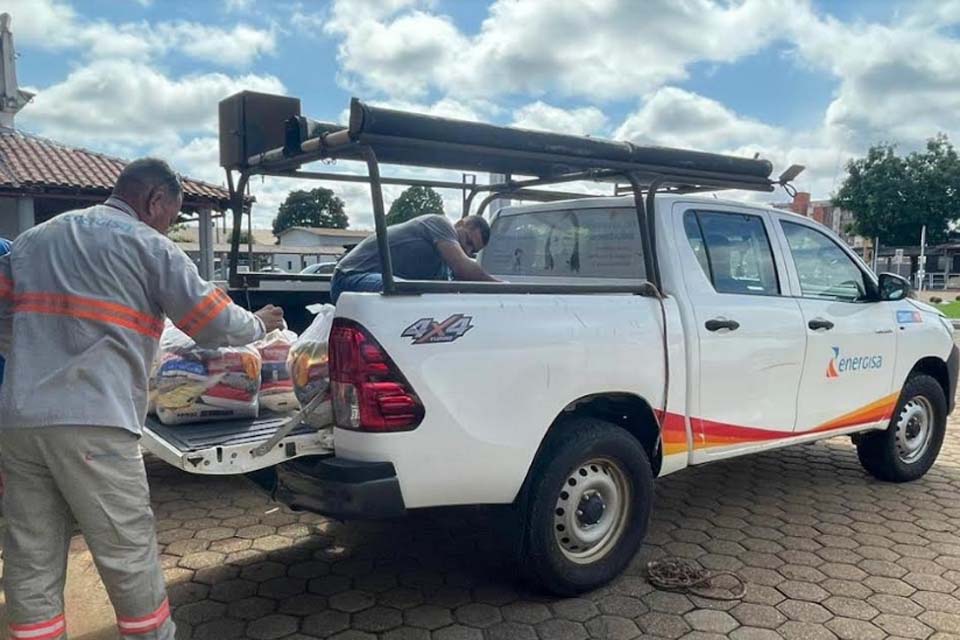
{"x": 143, "y": 175}
{"x": 477, "y": 223}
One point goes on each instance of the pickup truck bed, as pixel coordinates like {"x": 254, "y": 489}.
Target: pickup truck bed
{"x": 226, "y": 447}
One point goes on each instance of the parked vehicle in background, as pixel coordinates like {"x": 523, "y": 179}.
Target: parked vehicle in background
{"x": 320, "y": 268}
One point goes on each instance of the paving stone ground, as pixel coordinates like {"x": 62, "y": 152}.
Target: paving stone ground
{"x": 827, "y": 552}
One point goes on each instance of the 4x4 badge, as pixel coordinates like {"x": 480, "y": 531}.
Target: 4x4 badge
{"x": 429, "y": 331}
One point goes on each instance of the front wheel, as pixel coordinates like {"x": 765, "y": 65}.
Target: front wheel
{"x": 909, "y": 446}
{"x": 585, "y": 508}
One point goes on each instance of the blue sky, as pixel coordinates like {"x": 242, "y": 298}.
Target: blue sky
{"x": 813, "y": 82}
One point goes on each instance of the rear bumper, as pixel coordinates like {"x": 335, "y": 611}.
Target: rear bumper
{"x": 340, "y": 488}
{"x": 953, "y": 367}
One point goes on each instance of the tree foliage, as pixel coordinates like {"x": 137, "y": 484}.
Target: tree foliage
{"x": 315, "y": 208}
{"x": 893, "y": 196}
{"x": 414, "y": 201}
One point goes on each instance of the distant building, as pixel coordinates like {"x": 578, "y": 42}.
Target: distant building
{"x": 307, "y": 245}
{"x": 838, "y": 220}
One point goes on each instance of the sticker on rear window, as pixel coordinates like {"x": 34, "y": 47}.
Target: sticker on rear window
{"x": 429, "y": 331}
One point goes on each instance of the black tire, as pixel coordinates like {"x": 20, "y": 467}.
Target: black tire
{"x": 879, "y": 452}
{"x": 571, "y": 445}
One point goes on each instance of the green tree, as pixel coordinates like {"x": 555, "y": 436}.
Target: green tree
{"x": 413, "y": 202}
{"x": 315, "y": 208}
{"x": 894, "y": 196}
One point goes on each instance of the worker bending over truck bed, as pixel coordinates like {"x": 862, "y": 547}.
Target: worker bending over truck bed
{"x": 82, "y": 304}
{"x": 423, "y": 248}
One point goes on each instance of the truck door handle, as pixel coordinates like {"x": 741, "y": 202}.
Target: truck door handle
{"x": 819, "y": 323}
{"x": 721, "y": 323}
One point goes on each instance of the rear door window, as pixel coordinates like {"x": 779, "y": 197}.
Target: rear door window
{"x": 733, "y": 250}
{"x": 574, "y": 244}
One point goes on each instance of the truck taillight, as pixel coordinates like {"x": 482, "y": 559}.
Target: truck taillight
{"x": 369, "y": 392}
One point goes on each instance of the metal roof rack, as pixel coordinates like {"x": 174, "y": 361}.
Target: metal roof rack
{"x": 266, "y": 135}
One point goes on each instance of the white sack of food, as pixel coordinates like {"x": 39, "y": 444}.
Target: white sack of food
{"x": 276, "y": 386}
{"x": 193, "y": 384}
{"x": 309, "y": 365}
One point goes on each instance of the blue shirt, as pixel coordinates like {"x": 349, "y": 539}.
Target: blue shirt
{"x": 4, "y": 249}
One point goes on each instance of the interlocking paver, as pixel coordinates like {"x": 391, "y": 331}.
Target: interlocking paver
{"x": 612, "y": 628}
{"x": 711, "y": 621}
{"x": 758, "y": 615}
{"x": 272, "y": 627}
{"x": 852, "y": 629}
{"x": 326, "y": 623}
{"x": 663, "y": 625}
{"x": 558, "y": 629}
{"x": 902, "y": 626}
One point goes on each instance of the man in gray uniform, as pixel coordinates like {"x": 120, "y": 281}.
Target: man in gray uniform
{"x": 82, "y": 304}
{"x": 420, "y": 249}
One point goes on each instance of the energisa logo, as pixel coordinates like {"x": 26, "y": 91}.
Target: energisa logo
{"x": 847, "y": 364}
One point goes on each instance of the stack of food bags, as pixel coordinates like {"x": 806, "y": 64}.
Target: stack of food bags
{"x": 309, "y": 366}
{"x": 276, "y": 387}
{"x": 192, "y": 384}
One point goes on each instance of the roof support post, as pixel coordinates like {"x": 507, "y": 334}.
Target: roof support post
{"x": 646, "y": 225}
{"x": 206, "y": 244}
{"x": 380, "y": 220}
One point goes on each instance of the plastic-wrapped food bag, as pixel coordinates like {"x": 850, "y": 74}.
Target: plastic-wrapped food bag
{"x": 192, "y": 384}
{"x": 309, "y": 365}
{"x": 276, "y": 386}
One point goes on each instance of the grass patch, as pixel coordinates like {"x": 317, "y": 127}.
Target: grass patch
{"x": 951, "y": 309}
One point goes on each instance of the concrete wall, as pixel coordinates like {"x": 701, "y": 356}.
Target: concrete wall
{"x": 299, "y": 238}
{"x": 16, "y": 216}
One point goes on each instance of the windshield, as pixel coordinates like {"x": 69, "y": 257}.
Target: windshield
{"x": 602, "y": 243}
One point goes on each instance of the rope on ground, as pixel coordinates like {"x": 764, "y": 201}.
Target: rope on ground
{"x": 677, "y": 574}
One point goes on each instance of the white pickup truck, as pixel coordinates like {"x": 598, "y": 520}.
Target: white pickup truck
{"x": 568, "y": 406}
{"x": 742, "y": 328}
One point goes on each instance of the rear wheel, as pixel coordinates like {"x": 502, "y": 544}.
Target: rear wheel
{"x": 585, "y": 507}
{"x": 909, "y": 446}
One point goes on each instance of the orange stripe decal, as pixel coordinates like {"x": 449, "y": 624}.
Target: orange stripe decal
{"x": 709, "y": 434}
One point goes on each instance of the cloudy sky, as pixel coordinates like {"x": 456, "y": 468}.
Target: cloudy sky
{"x": 813, "y": 82}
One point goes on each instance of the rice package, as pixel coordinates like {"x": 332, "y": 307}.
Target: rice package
{"x": 276, "y": 386}
{"x": 309, "y": 365}
{"x": 193, "y": 384}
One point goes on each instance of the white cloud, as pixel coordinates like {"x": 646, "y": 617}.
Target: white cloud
{"x": 580, "y": 121}
{"x": 54, "y": 25}
{"x": 602, "y": 49}
{"x": 128, "y": 102}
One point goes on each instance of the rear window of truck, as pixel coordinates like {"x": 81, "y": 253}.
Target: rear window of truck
{"x": 573, "y": 244}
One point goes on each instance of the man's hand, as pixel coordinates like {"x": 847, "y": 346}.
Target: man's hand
{"x": 272, "y": 317}
{"x": 462, "y": 266}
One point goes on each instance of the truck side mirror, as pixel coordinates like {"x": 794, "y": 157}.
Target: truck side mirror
{"x": 893, "y": 287}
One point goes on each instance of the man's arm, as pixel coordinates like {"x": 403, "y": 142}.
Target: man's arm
{"x": 205, "y": 312}
{"x": 461, "y": 265}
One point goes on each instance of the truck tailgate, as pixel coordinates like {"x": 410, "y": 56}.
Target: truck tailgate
{"x": 227, "y": 447}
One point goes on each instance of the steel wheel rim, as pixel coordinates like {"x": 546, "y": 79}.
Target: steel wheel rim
{"x": 592, "y": 510}
{"x": 914, "y": 429}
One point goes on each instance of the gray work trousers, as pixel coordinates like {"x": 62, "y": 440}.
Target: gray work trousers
{"x": 97, "y": 475}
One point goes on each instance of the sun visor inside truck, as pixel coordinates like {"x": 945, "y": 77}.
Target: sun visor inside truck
{"x": 400, "y": 137}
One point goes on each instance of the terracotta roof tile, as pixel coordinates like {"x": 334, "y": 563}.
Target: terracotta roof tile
{"x": 31, "y": 162}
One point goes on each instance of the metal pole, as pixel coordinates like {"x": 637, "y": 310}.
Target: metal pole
{"x": 380, "y": 221}
{"x": 236, "y": 204}
{"x": 922, "y": 271}
{"x": 206, "y": 244}
{"x": 876, "y": 253}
